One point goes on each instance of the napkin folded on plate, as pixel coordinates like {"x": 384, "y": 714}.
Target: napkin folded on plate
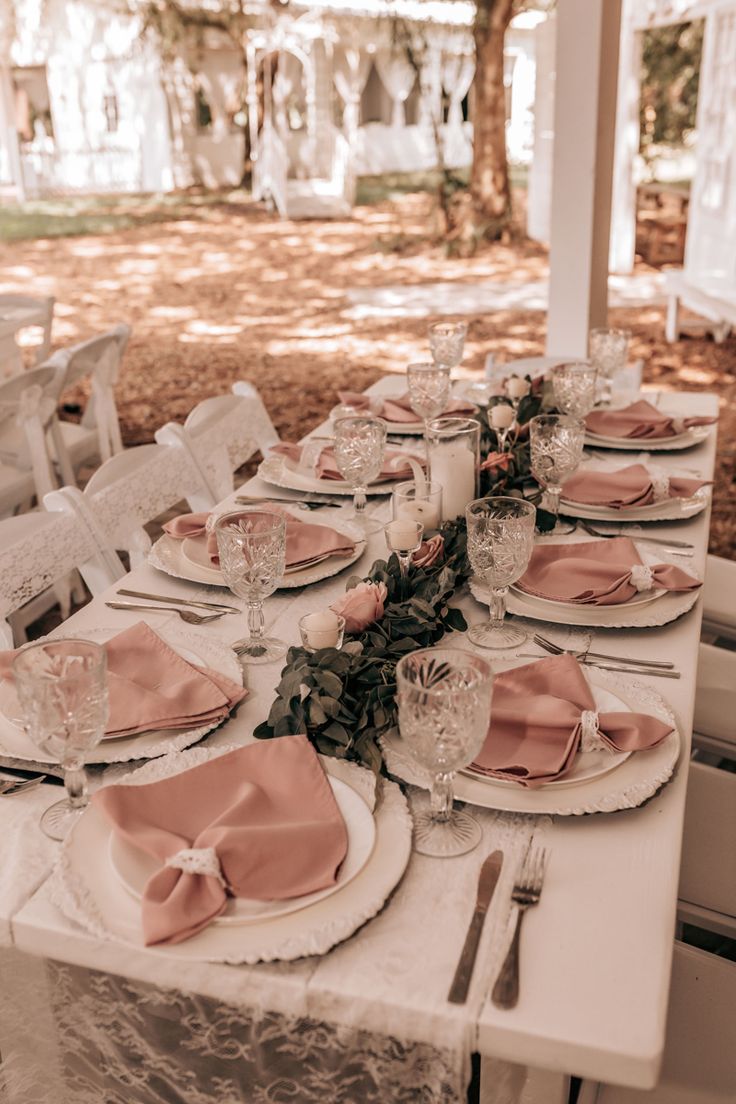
{"x": 397, "y": 409}
{"x": 151, "y": 687}
{"x": 304, "y": 542}
{"x": 600, "y": 573}
{"x": 640, "y": 420}
{"x": 634, "y": 485}
{"x": 260, "y": 822}
{"x": 395, "y": 462}
{"x": 542, "y": 714}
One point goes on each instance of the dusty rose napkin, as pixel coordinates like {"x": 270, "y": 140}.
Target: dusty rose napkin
{"x": 538, "y": 722}
{"x": 397, "y": 408}
{"x": 626, "y": 487}
{"x": 151, "y": 687}
{"x": 601, "y": 573}
{"x": 640, "y": 419}
{"x": 304, "y": 541}
{"x": 326, "y": 465}
{"x": 263, "y": 820}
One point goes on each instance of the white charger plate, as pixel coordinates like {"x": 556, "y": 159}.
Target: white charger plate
{"x": 690, "y": 437}
{"x": 280, "y": 473}
{"x": 671, "y": 509}
{"x": 168, "y": 555}
{"x": 86, "y": 888}
{"x": 194, "y": 647}
{"x": 135, "y": 867}
{"x": 629, "y": 783}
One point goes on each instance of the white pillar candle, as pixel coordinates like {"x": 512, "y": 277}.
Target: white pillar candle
{"x": 502, "y": 416}
{"x": 402, "y": 534}
{"x": 453, "y": 465}
{"x": 420, "y": 510}
{"x": 322, "y": 629}
{"x": 517, "y": 387}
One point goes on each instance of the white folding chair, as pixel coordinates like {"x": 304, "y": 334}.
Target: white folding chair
{"x": 98, "y": 435}
{"x": 719, "y": 599}
{"x": 18, "y": 312}
{"x": 124, "y": 494}
{"x": 699, "y": 1065}
{"x": 27, "y": 410}
{"x": 37, "y": 552}
{"x": 218, "y": 436}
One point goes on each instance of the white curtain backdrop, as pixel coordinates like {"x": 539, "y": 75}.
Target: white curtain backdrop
{"x": 457, "y": 77}
{"x": 398, "y": 76}
{"x": 350, "y": 71}
{"x": 288, "y": 78}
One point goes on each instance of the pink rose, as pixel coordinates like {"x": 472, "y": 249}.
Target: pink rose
{"x": 496, "y": 461}
{"x": 429, "y": 551}
{"x": 361, "y": 605}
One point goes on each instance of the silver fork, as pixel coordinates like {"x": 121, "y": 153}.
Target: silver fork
{"x": 186, "y": 615}
{"x": 675, "y": 545}
{"x": 19, "y": 785}
{"x": 556, "y": 649}
{"x": 525, "y": 894}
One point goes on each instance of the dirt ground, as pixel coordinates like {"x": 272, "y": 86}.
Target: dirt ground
{"x": 233, "y": 293}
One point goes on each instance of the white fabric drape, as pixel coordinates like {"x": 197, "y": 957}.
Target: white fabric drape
{"x": 350, "y": 72}
{"x": 398, "y": 76}
{"x": 287, "y": 80}
{"x": 457, "y": 77}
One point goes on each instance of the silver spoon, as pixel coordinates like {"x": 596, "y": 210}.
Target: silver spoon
{"x": 186, "y": 615}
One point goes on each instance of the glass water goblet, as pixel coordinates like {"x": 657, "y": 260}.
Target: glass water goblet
{"x": 444, "y": 703}
{"x": 608, "y": 350}
{"x": 500, "y": 543}
{"x": 62, "y": 691}
{"x": 252, "y": 547}
{"x": 360, "y": 443}
{"x": 404, "y": 538}
{"x": 555, "y": 451}
{"x": 429, "y": 392}
{"x": 574, "y": 387}
{"x": 447, "y": 342}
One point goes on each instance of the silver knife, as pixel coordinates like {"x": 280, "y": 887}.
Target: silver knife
{"x": 179, "y": 601}
{"x": 489, "y": 873}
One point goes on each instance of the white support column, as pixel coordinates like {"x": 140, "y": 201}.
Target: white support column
{"x": 585, "y": 114}
{"x": 9, "y": 134}
{"x": 623, "y": 210}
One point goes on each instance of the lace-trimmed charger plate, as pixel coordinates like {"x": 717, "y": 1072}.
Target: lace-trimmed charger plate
{"x": 194, "y": 647}
{"x": 669, "y": 509}
{"x": 89, "y": 890}
{"x": 186, "y": 560}
{"x": 592, "y": 787}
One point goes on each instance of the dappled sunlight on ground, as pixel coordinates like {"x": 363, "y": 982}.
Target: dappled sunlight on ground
{"x": 235, "y": 294}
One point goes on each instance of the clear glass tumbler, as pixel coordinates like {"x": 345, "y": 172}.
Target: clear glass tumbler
{"x": 62, "y": 691}
{"x": 252, "y": 548}
{"x": 444, "y": 701}
{"x": 360, "y": 443}
{"x": 500, "y": 543}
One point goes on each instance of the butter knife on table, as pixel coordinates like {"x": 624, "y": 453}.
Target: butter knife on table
{"x": 489, "y": 873}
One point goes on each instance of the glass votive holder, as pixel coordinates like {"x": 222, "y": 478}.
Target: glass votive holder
{"x": 324, "y": 629}
{"x": 418, "y": 502}
{"x": 404, "y": 538}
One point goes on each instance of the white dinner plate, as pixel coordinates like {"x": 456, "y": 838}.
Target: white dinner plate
{"x": 642, "y": 599}
{"x": 629, "y": 783}
{"x": 188, "y": 560}
{"x": 193, "y": 646}
{"x": 134, "y": 867}
{"x": 280, "y": 472}
{"x": 693, "y": 436}
{"x": 671, "y": 509}
{"x": 88, "y": 890}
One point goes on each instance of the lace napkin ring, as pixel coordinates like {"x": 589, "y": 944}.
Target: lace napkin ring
{"x": 642, "y": 577}
{"x": 590, "y": 739}
{"x": 660, "y": 486}
{"x": 198, "y": 860}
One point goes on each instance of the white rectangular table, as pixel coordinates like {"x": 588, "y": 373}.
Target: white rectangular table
{"x": 596, "y": 952}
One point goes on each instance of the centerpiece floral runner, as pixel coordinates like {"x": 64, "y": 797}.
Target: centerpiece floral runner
{"x": 345, "y": 700}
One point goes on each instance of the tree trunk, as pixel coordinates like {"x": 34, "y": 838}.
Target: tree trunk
{"x": 489, "y": 179}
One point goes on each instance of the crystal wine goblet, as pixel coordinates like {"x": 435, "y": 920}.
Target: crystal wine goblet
{"x": 555, "y": 450}
{"x": 252, "y": 547}
{"x": 446, "y": 342}
{"x": 62, "y": 691}
{"x": 429, "y": 392}
{"x": 360, "y": 442}
{"x": 500, "y": 542}
{"x": 444, "y": 702}
{"x": 574, "y": 387}
{"x": 608, "y": 349}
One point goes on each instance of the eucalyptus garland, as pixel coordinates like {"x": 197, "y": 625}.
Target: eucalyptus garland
{"x": 345, "y": 700}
